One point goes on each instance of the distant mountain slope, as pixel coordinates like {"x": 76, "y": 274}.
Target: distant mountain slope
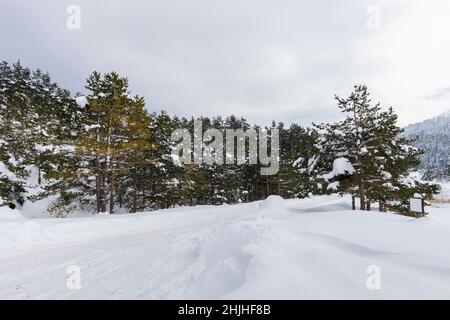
{"x": 433, "y": 137}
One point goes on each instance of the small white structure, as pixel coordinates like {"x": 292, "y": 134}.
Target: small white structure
{"x": 417, "y": 205}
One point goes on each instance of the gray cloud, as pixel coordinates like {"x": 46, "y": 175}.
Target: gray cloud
{"x": 439, "y": 94}
{"x": 262, "y": 60}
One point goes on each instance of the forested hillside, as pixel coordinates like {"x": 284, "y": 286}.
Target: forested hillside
{"x": 433, "y": 136}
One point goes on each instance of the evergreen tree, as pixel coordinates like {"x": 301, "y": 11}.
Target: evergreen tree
{"x": 111, "y": 142}
{"x": 295, "y": 142}
{"x": 36, "y": 118}
{"x": 364, "y": 154}
{"x": 12, "y": 145}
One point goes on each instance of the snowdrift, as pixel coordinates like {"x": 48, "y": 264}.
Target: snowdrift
{"x": 316, "y": 249}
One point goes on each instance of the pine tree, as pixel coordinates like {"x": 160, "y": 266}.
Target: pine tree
{"x": 114, "y": 133}
{"x": 14, "y": 132}
{"x": 295, "y": 142}
{"x": 363, "y": 155}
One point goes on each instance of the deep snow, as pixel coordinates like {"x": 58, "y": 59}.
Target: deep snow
{"x": 292, "y": 249}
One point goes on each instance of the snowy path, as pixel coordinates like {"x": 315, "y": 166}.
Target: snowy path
{"x": 314, "y": 249}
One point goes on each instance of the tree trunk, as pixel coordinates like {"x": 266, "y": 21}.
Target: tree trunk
{"x": 103, "y": 188}
{"x": 135, "y": 198}
{"x": 362, "y": 195}
{"x": 353, "y": 203}
{"x": 143, "y": 193}
{"x": 39, "y": 175}
{"x": 111, "y": 192}
{"x": 97, "y": 191}
{"x": 103, "y": 195}
{"x": 134, "y": 194}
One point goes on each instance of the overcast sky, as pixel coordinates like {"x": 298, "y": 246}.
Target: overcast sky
{"x": 263, "y": 60}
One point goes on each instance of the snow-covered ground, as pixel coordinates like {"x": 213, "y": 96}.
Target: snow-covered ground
{"x": 292, "y": 249}
{"x": 444, "y": 194}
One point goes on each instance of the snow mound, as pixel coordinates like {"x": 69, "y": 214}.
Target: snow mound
{"x": 81, "y": 101}
{"x": 321, "y": 249}
{"x": 340, "y": 166}
{"x": 273, "y": 203}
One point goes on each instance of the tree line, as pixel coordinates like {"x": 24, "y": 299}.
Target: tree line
{"x": 105, "y": 152}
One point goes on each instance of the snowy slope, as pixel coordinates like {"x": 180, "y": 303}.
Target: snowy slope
{"x": 444, "y": 194}
{"x": 293, "y": 249}
{"x": 434, "y": 138}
